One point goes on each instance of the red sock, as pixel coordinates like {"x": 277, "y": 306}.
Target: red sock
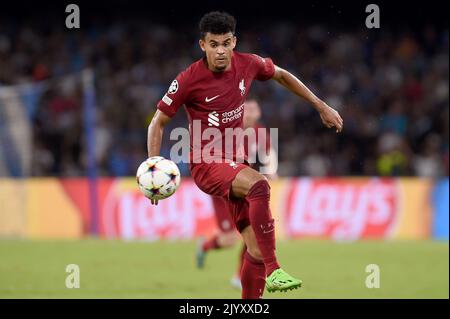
{"x": 241, "y": 259}
{"x": 262, "y": 223}
{"x": 212, "y": 243}
{"x": 253, "y": 277}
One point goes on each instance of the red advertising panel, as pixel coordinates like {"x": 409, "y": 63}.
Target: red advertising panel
{"x": 341, "y": 209}
{"x": 332, "y": 208}
{"x": 127, "y": 214}
{"x": 124, "y": 212}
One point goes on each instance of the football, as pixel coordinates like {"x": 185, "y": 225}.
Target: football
{"x": 158, "y": 177}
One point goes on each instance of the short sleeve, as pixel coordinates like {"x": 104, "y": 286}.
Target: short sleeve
{"x": 175, "y": 96}
{"x": 264, "y": 68}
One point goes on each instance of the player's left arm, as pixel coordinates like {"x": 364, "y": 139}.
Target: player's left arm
{"x": 330, "y": 117}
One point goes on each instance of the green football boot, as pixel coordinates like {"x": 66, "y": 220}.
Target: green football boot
{"x": 279, "y": 280}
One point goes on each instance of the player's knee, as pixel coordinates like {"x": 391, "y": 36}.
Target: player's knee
{"x": 259, "y": 189}
{"x": 254, "y": 252}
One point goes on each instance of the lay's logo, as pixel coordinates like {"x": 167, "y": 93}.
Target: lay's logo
{"x": 341, "y": 209}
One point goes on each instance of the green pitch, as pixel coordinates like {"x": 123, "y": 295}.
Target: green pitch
{"x": 113, "y": 269}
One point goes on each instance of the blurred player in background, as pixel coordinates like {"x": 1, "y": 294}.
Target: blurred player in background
{"x": 227, "y": 235}
{"x": 213, "y": 90}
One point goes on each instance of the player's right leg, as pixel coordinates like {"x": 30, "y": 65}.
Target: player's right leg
{"x": 260, "y": 237}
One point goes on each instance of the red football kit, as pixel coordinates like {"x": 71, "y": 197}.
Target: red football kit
{"x": 216, "y": 100}
{"x": 223, "y": 217}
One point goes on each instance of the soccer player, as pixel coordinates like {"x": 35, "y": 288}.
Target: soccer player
{"x": 213, "y": 90}
{"x": 227, "y": 235}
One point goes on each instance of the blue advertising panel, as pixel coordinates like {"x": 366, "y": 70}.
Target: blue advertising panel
{"x": 441, "y": 209}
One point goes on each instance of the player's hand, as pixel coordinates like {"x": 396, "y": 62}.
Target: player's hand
{"x": 330, "y": 117}
{"x": 154, "y": 201}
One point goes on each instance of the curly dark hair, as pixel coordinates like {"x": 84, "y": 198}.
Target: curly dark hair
{"x": 217, "y": 22}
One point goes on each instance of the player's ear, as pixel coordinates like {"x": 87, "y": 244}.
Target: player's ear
{"x": 234, "y": 41}
{"x": 201, "y": 42}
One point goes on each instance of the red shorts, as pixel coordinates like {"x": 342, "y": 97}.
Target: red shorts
{"x": 215, "y": 179}
{"x": 222, "y": 212}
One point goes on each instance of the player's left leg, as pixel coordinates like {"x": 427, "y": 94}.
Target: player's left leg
{"x": 253, "y": 272}
{"x": 254, "y": 187}
{"x": 245, "y": 186}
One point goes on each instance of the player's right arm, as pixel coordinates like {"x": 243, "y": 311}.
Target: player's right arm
{"x": 154, "y": 136}
{"x": 167, "y": 107}
{"x": 155, "y": 133}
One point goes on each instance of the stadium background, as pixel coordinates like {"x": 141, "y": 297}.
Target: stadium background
{"x": 74, "y": 110}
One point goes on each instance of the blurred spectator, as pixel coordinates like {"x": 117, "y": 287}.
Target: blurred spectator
{"x": 429, "y": 162}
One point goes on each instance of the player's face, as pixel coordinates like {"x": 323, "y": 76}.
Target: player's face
{"x": 252, "y": 113}
{"x": 218, "y": 49}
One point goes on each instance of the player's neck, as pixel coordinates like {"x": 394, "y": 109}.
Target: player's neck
{"x": 212, "y": 69}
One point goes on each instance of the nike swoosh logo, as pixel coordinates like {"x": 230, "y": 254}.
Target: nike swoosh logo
{"x": 213, "y": 98}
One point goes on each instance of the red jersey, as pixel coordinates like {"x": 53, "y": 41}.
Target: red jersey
{"x": 215, "y": 100}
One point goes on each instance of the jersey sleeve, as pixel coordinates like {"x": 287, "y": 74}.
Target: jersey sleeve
{"x": 175, "y": 96}
{"x": 263, "y": 67}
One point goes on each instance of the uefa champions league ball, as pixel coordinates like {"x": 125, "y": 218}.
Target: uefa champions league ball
{"x": 158, "y": 177}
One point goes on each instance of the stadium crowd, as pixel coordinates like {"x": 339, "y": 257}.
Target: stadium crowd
{"x": 390, "y": 87}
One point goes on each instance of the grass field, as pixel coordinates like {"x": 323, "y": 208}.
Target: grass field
{"x": 114, "y": 269}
